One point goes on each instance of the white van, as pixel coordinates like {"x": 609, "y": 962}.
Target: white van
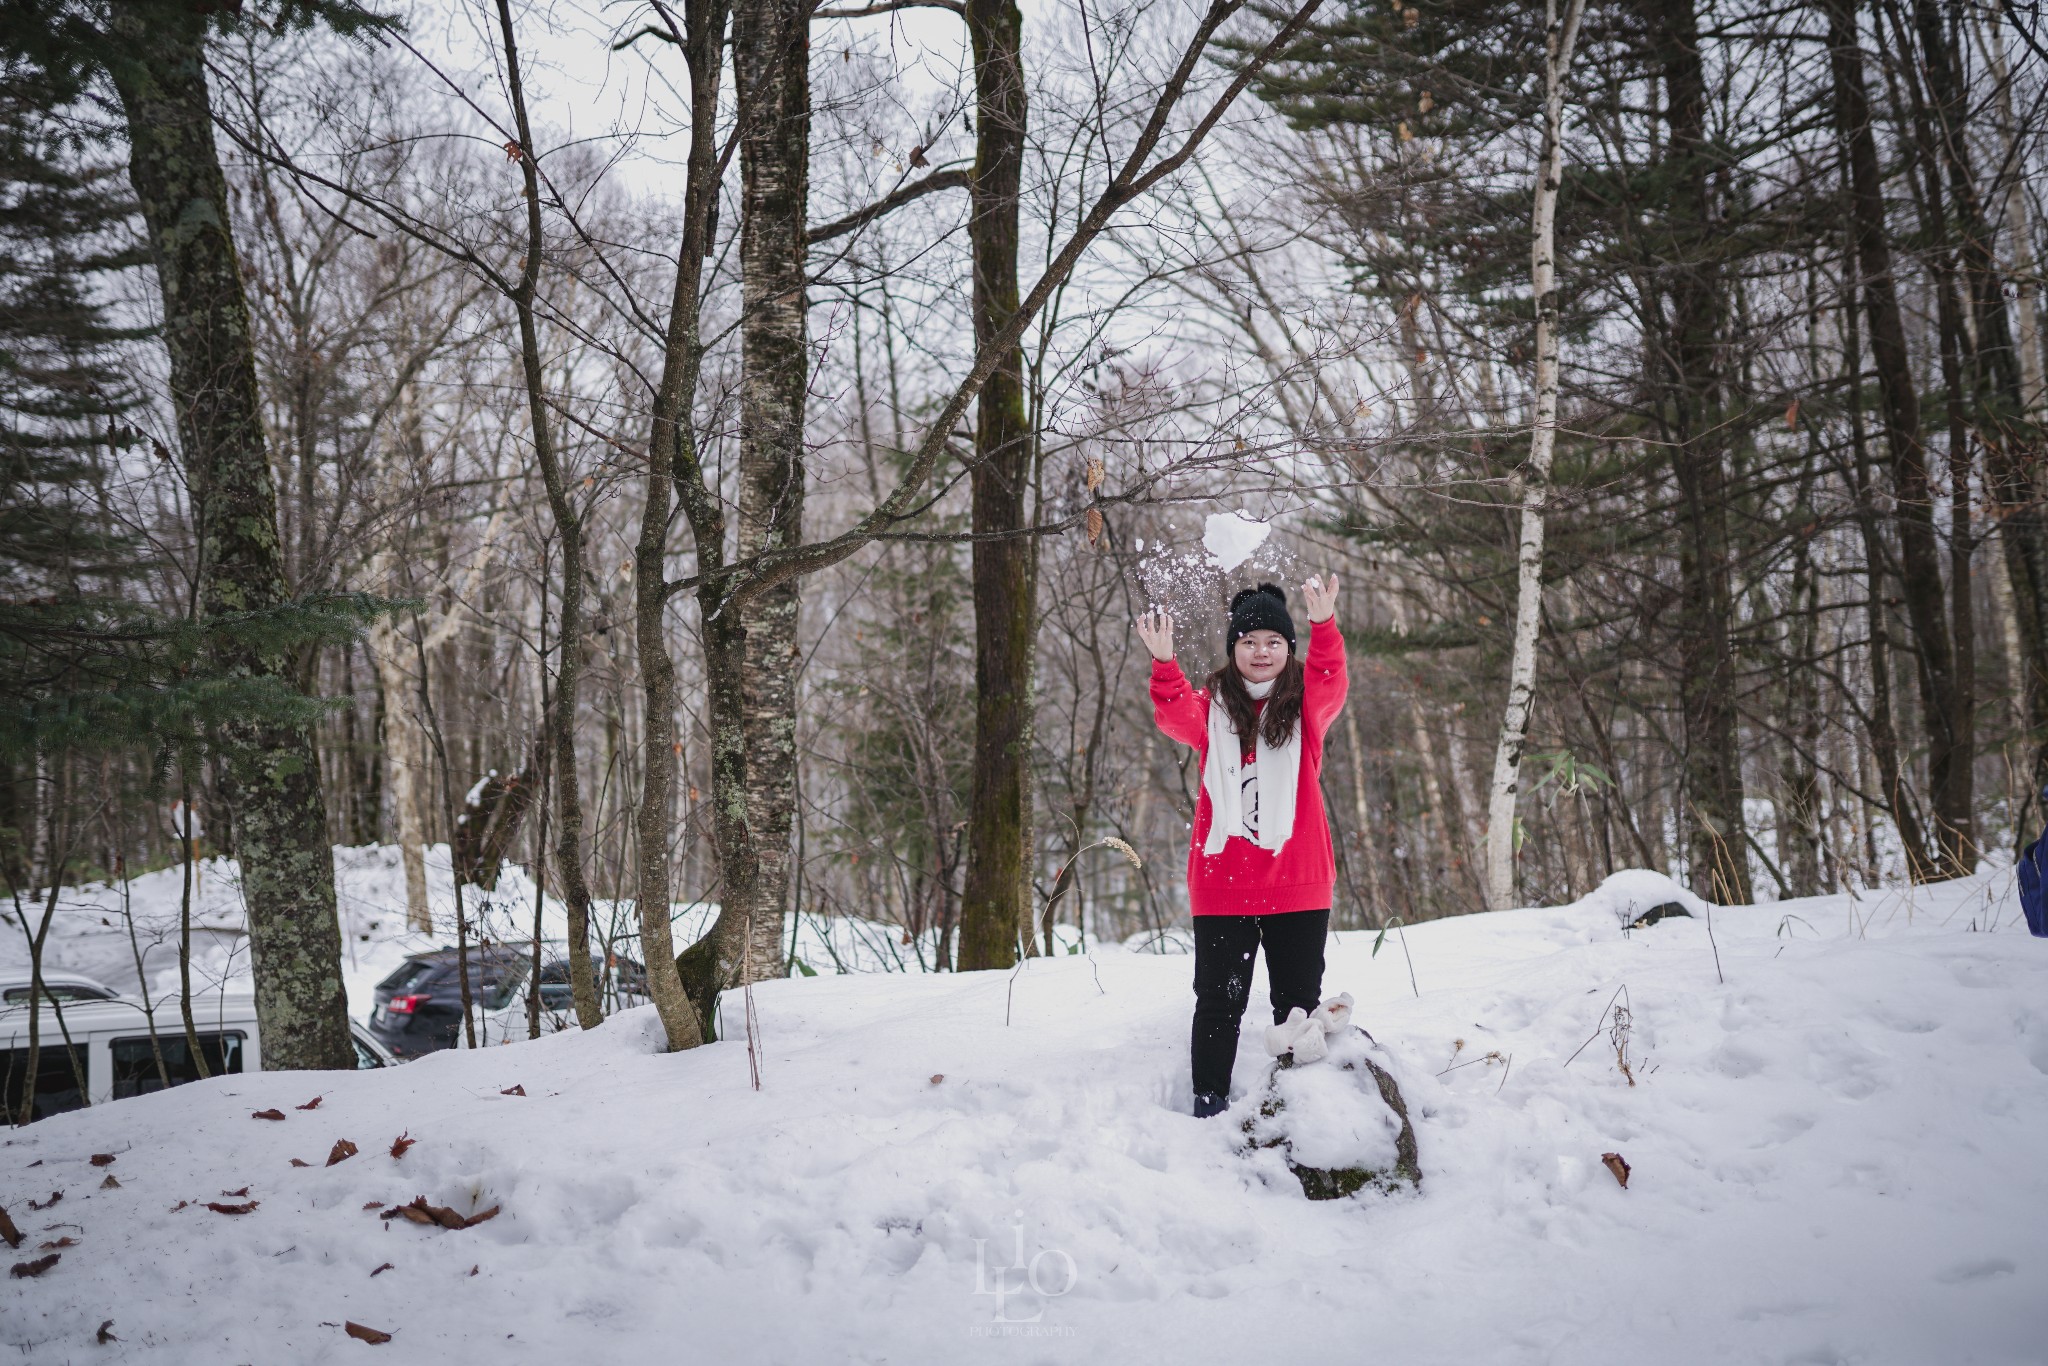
{"x": 98, "y": 1045}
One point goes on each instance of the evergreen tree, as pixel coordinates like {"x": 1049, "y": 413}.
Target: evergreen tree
{"x": 152, "y": 52}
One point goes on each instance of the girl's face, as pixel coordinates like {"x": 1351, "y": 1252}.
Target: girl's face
{"x": 1260, "y": 655}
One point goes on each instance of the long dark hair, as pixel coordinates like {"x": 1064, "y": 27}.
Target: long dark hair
{"x": 1283, "y": 704}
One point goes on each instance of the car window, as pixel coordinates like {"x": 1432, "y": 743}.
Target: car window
{"x": 365, "y": 1059}
{"x": 497, "y": 992}
{"x": 57, "y": 991}
{"x": 63, "y": 1078}
{"x": 136, "y": 1072}
{"x": 408, "y": 974}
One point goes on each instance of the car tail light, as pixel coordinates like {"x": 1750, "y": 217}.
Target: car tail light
{"x": 406, "y": 1005}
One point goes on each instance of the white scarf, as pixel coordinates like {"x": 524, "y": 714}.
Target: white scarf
{"x": 1255, "y": 801}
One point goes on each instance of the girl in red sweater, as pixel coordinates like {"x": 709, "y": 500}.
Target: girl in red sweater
{"x": 1260, "y": 865}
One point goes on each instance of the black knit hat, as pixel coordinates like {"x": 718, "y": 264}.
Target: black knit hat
{"x": 1259, "y": 609}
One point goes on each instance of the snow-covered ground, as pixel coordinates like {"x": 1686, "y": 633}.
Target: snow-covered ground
{"x": 1835, "y": 1157}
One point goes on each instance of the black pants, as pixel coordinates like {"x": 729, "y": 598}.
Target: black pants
{"x": 1224, "y": 948}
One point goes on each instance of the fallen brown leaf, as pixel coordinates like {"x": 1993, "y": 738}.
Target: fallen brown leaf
{"x": 418, "y": 1211}
{"x": 300, "y": 1162}
{"x": 518, "y": 1090}
{"x": 342, "y": 1151}
{"x": 37, "y": 1163}
{"x": 218, "y": 1208}
{"x": 370, "y": 1335}
{"x": 266, "y": 1114}
{"x": 23, "y": 1270}
{"x": 371, "y": 1204}
{"x": 103, "y": 1337}
{"x": 55, "y": 1196}
{"x": 180, "y": 1205}
{"x": 472, "y": 1271}
{"x": 240, "y": 1194}
{"x": 103, "y": 1159}
{"x": 1617, "y": 1164}
{"x": 400, "y": 1144}
{"x": 7, "y": 1229}
{"x": 111, "y": 1183}
{"x": 312, "y": 1104}
{"x": 381, "y": 1270}
{"x": 938, "y": 1077}
{"x": 66, "y": 1241}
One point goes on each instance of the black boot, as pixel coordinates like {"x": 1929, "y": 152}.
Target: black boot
{"x": 1208, "y": 1103}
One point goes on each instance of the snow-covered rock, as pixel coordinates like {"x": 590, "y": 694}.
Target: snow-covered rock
{"x": 1338, "y": 1117}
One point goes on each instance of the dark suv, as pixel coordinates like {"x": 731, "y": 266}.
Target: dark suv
{"x": 419, "y": 1007}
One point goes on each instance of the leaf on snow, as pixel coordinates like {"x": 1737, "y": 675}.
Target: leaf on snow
{"x": 420, "y": 1212}
{"x": 219, "y": 1208}
{"x": 371, "y": 1335}
{"x": 112, "y": 1183}
{"x": 266, "y": 1114}
{"x": 55, "y": 1196}
{"x": 518, "y": 1090}
{"x": 7, "y": 1229}
{"x": 1617, "y": 1164}
{"x": 240, "y": 1194}
{"x": 104, "y": 1336}
{"x": 381, "y": 1270}
{"x": 300, "y": 1162}
{"x": 66, "y": 1241}
{"x": 312, "y": 1104}
{"x": 103, "y": 1159}
{"x": 23, "y": 1270}
{"x": 400, "y": 1144}
{"x": 342, "y": 1151}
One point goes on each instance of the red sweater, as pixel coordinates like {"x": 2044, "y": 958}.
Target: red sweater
{"x": 1245, "y": 879}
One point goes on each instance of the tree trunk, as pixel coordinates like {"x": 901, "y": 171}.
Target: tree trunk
{"x": 1919, "y": 565}
{"x": 1560, "y": 34}
{"x": 996, "y": 904}
{"x": 2028, "y": 687}
{"x": 1884, "y": 744}
{"x": 1999, "y": 400}
{"x": 1690, "y": 366}
{"x": 750, "y": 646}
{"x": 279, "y": 811}
{"x": 561, "y": 723}
{"x": 672, "y": 462}
{"x": 403, "y": 766}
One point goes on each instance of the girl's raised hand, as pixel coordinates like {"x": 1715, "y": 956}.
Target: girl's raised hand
{"x": 1155, "y": 628}
{"x": 1320, "y": 597}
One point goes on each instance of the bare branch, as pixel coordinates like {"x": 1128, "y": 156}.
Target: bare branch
{"x": 889, "y": 7}
{"x": 958, "y": 178}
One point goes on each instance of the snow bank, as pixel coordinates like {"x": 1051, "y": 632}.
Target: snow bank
{"x": 1834, "y": 1151}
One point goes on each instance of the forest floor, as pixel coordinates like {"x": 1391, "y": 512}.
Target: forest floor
{"x": 1835, "y": 1125}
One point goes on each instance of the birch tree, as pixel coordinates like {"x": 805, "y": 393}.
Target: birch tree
{"x": 1560, "y": 34}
